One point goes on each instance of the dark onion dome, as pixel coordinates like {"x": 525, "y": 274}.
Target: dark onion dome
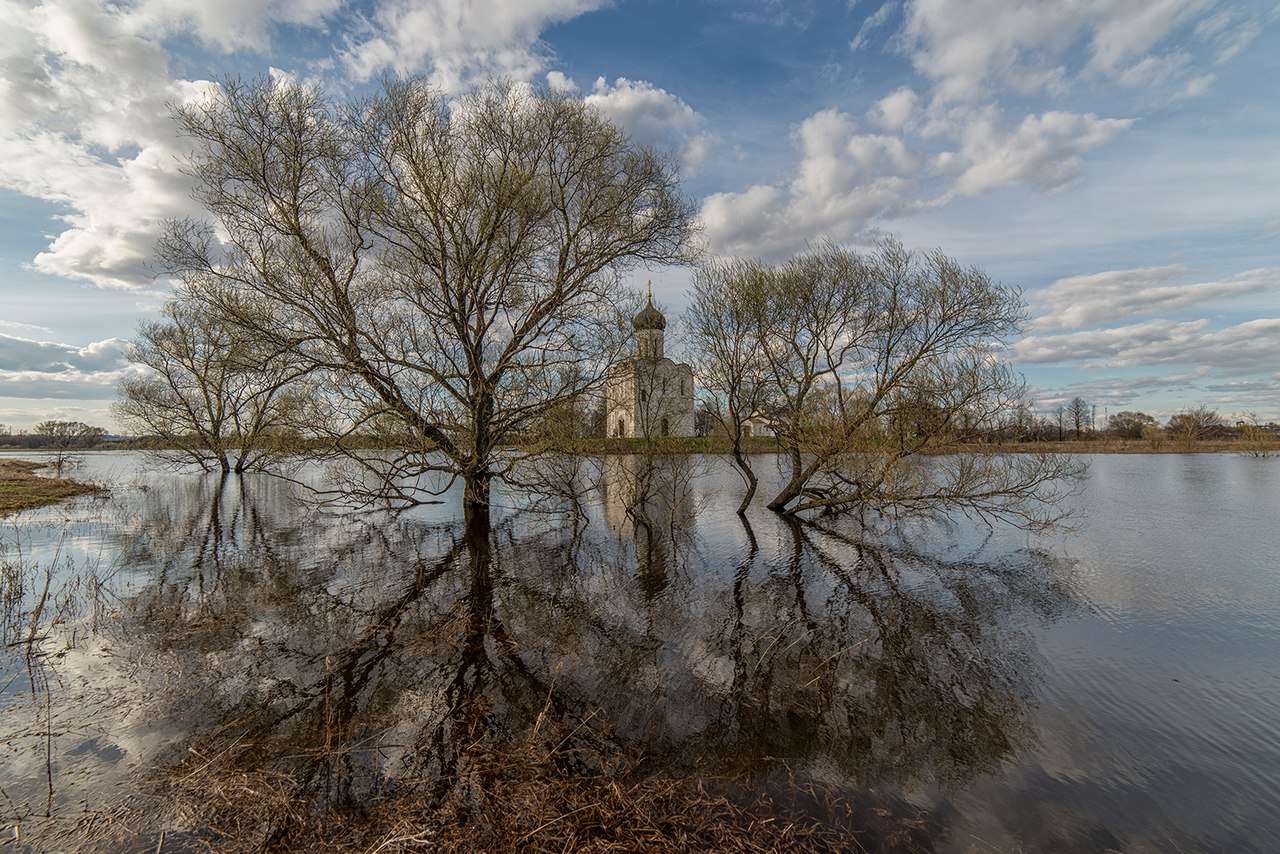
{"x": 649, "y": 318}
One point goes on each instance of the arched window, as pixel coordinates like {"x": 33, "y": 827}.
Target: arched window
{"x": 644, "y": 396}
{"x": 666, "y": 427}
{"x": 622, "y": 427}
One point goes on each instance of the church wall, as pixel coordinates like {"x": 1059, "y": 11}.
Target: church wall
{"x": 641, "y": 394}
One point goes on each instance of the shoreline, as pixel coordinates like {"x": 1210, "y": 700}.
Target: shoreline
{"x": 689, "y": 445}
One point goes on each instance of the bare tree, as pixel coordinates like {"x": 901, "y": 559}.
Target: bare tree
{"x": 1060, "y": 421}
{"x": 1079, "y": 416}
{"x": 867, "y": 365}
{"x": 1257, "y": 439}
{"x": 450, "y": 269}
{"x": 1194, "y": 425}
{"x": 64, "y": 437}
{"x": 723, "y": 323}
{"x": 1130, "y": 425}
{"x": 212, "y": 396}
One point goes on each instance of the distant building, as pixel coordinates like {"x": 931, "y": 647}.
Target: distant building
{"x": 649, "y": 395}
{"x": 757, "y": 425}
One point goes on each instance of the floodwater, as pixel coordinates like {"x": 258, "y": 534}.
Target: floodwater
{"x": 186, "y": 656}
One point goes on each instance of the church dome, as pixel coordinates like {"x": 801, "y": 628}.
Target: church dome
{"x": 649, "y": 318}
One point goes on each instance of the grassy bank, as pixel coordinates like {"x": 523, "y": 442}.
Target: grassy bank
{"x": 22, "y": 489}
{"x": 1126, "y": 446}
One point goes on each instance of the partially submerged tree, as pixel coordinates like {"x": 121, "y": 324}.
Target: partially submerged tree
{"x": 1257, "y": 439}
{"x": 723, "y": 324}
{"x": 449, "y": 268}
{"x": 64, "y": 437}
{"x": 864, "y": 366}
{"x": 212, "y": 395}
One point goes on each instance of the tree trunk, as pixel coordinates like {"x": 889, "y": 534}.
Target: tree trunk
{"x": 475, "y": 503}
{"x": 791, "y": 491}
{"x": 740, "y": 460}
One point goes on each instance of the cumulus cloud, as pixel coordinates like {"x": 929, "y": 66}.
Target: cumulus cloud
{"x": 1119, "y": 294}
{"x": 456, "y": 42}
{"x": 1043, "y": 151}
{"x": 651, "y": 115}
{"x": 894, "y": 111}
{"x": 231, "y": 24}
{"x": 846, "y": 178}
{"x": 84, "y": 117}
{"x": 86, "y": 126}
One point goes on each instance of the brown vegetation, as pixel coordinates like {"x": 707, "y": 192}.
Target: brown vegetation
{"x": 1111, "y": 446}
{"x": 21, "y": 489}
{"x": 524, "y": 799}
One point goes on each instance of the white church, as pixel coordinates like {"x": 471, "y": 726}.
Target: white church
{"x": 649, "y": 395}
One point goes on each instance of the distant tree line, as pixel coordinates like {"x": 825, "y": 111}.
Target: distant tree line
{"x": 1077, "y": 420}
{"x": 55, "y": 435}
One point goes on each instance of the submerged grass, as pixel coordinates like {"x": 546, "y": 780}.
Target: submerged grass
{"x": 518, "y": 799}
{"x": 22, "y": 489}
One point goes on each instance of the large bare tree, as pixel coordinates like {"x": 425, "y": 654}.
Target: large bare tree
{"x": 450, "y": 268}
{"x": 865, "y": 366}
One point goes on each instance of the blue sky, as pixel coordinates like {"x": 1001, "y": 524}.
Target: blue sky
{"x": 1115, "y": 158}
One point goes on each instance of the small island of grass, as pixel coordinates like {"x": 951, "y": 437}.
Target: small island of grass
{"x": 22, "y": 489}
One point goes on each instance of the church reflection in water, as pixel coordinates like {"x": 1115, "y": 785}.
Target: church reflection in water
{"x": 384, "y": 662}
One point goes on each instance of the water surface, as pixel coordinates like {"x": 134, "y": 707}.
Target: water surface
{"x": 1114, "y": 687}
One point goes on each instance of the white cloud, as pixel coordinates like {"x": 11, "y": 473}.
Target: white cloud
{"x": 457, "y": 42}
{"x": 230, "y": 24}
{"x": 652, "y": 116}
{"x": 38, "y": 379}
{"x": 894, "y": 111}
{"x": 1118, "y": 294}
{"x": 47, "y": 357}
{"x": 86, "y": 126}
{"x": 1118, "y": 391}
{"x": 13, "y": 324}
{"x": 873, "y": 22}
{"x": 1043, "y": 152}
{"x": 845, "y": 180}
{"x": 1242, "y": 347}
{"x": 560, "y": 83}
{"x": 848, "y": 179}
{"x": 84, "y": 117}
{"x": 1123, "y": 31}
{"x": 24, "y": 413}
{"x": 970, "y": 48}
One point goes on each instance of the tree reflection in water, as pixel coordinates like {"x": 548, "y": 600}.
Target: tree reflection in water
{"x": 540, "y": 685}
